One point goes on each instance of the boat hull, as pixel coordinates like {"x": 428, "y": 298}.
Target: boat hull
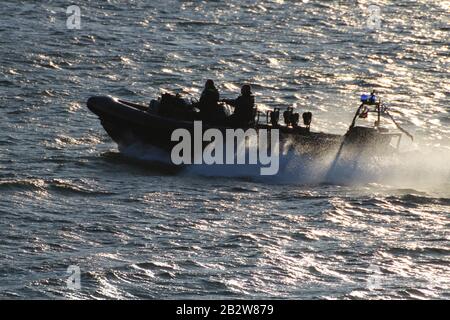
{"x": 128, "y": 123}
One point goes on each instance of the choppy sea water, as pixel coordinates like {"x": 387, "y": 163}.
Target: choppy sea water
{"x": 69, "y": 197}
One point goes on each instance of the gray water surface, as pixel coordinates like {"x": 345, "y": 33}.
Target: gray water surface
{"x": 69, "y": 197}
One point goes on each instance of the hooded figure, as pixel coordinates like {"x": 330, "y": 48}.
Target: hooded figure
{"x": 209, "y": 98}
{"x": 244, "y": 106}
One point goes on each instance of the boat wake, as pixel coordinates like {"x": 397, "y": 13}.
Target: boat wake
{"x": 422, "y": 168}
{"x": 146, "y": 153}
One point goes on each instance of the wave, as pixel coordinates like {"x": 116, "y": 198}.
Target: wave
{"x": 60, "y": 186}
{"x": 22, "y": 184}
{"x": 418, "y": 198}
{"x": 67, "y": 187}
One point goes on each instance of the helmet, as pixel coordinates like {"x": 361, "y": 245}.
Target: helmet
{"x": 246, "y": 89}
{"x": 209, "y": 84}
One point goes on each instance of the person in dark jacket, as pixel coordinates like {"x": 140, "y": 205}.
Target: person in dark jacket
{"x": 208, "y": 99}
{"x": 244, "y": 106}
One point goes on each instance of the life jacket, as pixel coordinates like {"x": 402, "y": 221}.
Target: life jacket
{"x": 244, "y": 106}
{"x": 209, "y": 98}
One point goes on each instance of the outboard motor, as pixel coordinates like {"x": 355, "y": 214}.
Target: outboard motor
{"x": 307, "y": 118}
{"x": 295, "y": 118}
{"x": 274, "y": 116}
{"x": 287, "y": 116}
{"x": 291, "y": 118}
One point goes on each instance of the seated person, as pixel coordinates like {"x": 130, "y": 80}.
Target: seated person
{"x": 208, "y": 99}
{"x": 243, "y": 107}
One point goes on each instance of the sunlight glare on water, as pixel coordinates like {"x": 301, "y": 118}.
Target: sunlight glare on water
{"x": 136, "y": 230}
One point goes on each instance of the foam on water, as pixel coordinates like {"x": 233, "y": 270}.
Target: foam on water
{"x": 421, "y": 168}
{"x": 148, "y": 153}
